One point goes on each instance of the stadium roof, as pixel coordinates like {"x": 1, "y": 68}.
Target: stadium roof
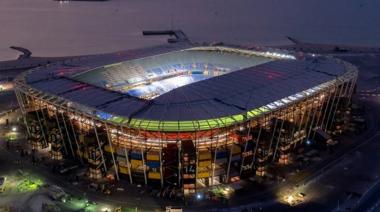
{"x": 215, "y": 102}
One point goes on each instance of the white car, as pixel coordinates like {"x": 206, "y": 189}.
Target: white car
{"x": 56, "y": 193}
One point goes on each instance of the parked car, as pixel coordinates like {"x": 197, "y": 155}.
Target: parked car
{"x": 56, "y": 193}
{"x": 2, "y": 184}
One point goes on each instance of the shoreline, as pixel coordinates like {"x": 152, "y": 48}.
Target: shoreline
{"x": 341, "y": 48}
{"x": 26, "y": 61}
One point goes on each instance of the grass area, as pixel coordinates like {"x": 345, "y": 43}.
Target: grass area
{"x": 21, "y": 182}
{"x": 223, "y": 191}
{"x": 11, "y": 136}
{"x": 29, "y": 184}
{"x": 80, "y": 204}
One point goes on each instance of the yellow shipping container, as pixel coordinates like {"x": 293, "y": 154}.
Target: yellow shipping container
{"x": 107, "y": 148}
{"x": 203, "y": 174}
{"x": 136, "y": 163}
{"x": 205, "y": 156}
{"x": 154, "y": 175}
{"x": 204, "y": 163}
{"x": 79, "y": 153}
{"x": 123, "y": 163}
{"x": 153, "y": 157}
{"x": 236, "y": 149}
{"x": 123, "y": 170}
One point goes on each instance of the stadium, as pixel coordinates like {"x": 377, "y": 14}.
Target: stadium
{"x": 184, "y": 116}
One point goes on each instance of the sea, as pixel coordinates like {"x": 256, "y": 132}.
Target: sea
{"x": 62, "y": 28}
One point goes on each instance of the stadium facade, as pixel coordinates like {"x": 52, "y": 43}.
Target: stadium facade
{"x": 184, "y": 115}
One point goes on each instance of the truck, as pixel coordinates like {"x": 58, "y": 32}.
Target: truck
{"x": 322, "y": 139}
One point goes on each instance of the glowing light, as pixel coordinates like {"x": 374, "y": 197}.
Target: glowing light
{"x": 199, "y": 196}
{"x": 289, "y": 199}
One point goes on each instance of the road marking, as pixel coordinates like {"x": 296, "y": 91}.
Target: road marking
{"x": 368, "y": 94}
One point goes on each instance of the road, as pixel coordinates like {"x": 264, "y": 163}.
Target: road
{"x": 370, "y": 200}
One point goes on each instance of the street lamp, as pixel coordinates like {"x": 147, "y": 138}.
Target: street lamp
{"x": 289, "y": 199}
{"x": 199, "y": 196}
{"x": 105, "y": 209}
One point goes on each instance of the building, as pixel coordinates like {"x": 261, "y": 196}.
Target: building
{"x": 184, "y": 115}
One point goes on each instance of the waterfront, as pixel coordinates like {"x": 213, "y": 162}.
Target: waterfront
{"x": 50, "y": 28}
